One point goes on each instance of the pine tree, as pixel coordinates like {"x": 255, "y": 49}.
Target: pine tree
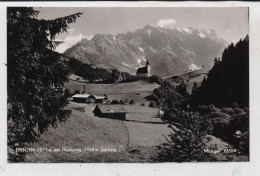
{"x": 35, "y": 74}
{"x": 194, "y": 87}
{"x": 188, "y": 139}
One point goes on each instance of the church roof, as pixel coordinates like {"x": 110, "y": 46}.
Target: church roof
{"x": 142, "y": 70}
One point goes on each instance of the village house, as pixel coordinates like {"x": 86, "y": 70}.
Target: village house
{"x": 81, "y": 98}
{"x": 97, "y": 98}
{"x": 110, "y": 111}
{"x": 144, "y": 71}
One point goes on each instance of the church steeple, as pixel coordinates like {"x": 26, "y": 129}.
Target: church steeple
{"x": 147, "y": 63}
{"x": 148, "y": 68}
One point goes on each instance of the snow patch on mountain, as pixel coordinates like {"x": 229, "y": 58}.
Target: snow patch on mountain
{"x": 126, "y": 64}
{"x": 149, "y": 32}
{"x": 169, "y": 51}
{"x": 194, "y": 67}
{"x": 189, "y": 31}
{"x": 141, "y": 49}
{"x": 139, "y": 60}
{"x": 134, "y": 66}
{"x": 152, "y": 49}
{"x": 143, "y": 58}
{"x": 110, "y": 41}
{"x": 89, "y": 37}
{"x": 201, "y": 35}
{"x": 179, "y": 29}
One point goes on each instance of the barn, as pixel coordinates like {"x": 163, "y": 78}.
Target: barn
{"x": 110, "y": 111}
{"x": 97, "y": 98}
{"x": 81, "y": 98}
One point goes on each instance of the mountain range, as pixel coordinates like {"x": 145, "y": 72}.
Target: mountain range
{"x": 169, "y": 51}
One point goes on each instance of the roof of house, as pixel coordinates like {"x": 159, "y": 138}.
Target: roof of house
{"x": 142, "y": 70}
{"x": 111, "y": 108}
{"x": 100, "y": 97}
{"x": 81, "y": 96}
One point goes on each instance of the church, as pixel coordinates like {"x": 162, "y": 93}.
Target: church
{"x": 144, "y": 71}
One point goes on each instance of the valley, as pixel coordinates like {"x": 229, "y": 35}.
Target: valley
{"x": 135, "y": 140}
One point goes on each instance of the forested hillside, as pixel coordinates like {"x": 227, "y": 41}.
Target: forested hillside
{"x": 228, "y": 81}
{"x": 207, "y": 110}
{"x": 88, "y": 72}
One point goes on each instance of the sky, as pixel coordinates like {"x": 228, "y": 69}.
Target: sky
{"x": 230, "y": 23}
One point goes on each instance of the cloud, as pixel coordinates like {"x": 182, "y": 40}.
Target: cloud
{"x": 71, "y": 31}
{"x": 71, "y": 39}
{"x": 166, "y": 23}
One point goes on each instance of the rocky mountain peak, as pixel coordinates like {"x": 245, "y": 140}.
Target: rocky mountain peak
{"x": 169, "y": 51}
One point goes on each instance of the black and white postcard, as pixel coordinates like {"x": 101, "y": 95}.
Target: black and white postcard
{"x": 125, "y": 84}
{"x": 154, "y": 83}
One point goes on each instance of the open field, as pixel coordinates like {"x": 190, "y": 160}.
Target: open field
{"x": 80, "y": 131}
{"x": 132, "y": 139}
{"x": 115, "y": 88}
{"x": 135, "y": 139}
{"x": 147, "y": 134}
{"x": 134, "y": 90}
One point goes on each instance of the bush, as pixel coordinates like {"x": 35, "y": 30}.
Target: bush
{"x": 156, "y": 79}
{"x": 187, "y": 142}
{"x": 229, "y": 124}
{"x": 132, "y": 102}
{"x": 76, "y": 92}
{"x": 220, "y": 122}
{"x": 126, "y": 100}
{"x": 115, "y": 101}
{"x": 167, "y": 96}
{"x": 67, "y": 93}
{"x": 142, "y": 104}
{"x": 228, "y": 111}
{"x": 152, "y": 104}
{"x": 242, "y": 141}
{"x": 121, "y": 102}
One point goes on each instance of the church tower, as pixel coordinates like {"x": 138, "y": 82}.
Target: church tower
{"x": 148, "y": 68}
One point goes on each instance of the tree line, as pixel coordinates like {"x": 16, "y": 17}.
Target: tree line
{"x": 228, "y": 81}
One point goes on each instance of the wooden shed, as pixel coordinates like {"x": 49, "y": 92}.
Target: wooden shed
{"x": 110, "y": 111}
{"x": 81, "y": 98}
{"x": 97, "y": 98}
